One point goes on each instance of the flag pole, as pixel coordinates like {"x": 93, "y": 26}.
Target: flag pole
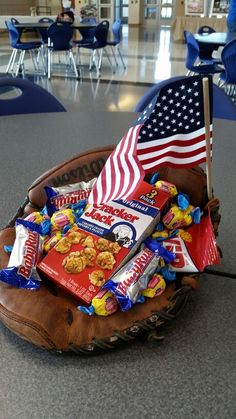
{"x": 206, "y": 102}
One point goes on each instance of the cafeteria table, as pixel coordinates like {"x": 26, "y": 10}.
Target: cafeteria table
{"x": 45, "y": 25}
{"x": 192, "y": 372}
{"x": 219, "y": 39}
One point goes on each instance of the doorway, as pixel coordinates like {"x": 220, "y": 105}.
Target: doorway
{"x": 122, "y": 10}
{"x": 157, "y": 13}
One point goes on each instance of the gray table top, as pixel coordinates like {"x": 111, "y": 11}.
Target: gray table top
{"x": 216, "y": 38}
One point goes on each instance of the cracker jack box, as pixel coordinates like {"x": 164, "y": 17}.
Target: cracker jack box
{"x": 106, "y": 236}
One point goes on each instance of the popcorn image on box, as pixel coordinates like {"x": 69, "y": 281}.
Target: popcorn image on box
{"x": 106, "y": 236}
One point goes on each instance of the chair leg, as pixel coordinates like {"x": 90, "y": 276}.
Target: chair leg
{"x": 49, "y": 63}
{"x": 73, "y": 64}
{"x": 121, "y": 57}
{"x": 92, "y": 60}
{"x": 68, "y": 62}
{"x": 114, "y": 55}
{"x": 41, "y": 53}
{"x": 20, "y": 63}
{"x": 100, "y": 59}
{"x": 107, "y": 55}
{"x": 78, "y": 58}
{"x": 33, "y": 60}
{"x": 11, "y": 60}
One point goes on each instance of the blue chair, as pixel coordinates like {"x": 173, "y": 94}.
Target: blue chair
{"x": 97, "y": 46}
{"x": 43, "y": 31}
{"x": 21, "y": 30}
{"x": 206, "y": 50}
{"x": 60, "y": 35}
{"x": 227, "y": 78}
{"x": 22, "y": 47}
{"x": 87, "y": 33}
{"x": 114, "y": 44}
{"x": 205, "y": 30}
{"x": 192, "y": 57}
{"x": 223, "y": 107}
{"x": 15, "y": 22}
{"x": 33, "y": 98}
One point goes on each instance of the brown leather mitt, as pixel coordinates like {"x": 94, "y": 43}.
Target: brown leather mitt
{"x": 49, "y": 317}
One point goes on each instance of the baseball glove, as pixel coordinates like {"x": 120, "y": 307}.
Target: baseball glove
{"x": 49, "y": 317}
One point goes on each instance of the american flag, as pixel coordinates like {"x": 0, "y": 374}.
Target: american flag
{"x": 170, "y": 132}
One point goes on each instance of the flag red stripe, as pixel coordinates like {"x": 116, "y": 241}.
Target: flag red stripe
{"x": 124, "y": 160}
{"x": 174, "y": 143}
{"x": 122, "y": 171}
{"x": 132, "y": 176}
{"x": 173, "y": 153}
{"x": 178, "y": 165}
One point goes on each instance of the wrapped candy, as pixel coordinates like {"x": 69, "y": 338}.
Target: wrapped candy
{"x": 62, "y": 218}
{"x": 167, "y": 187}
{"x": 160, "y": 231}
{"x": 195, "y": 249}
{"x": 103, "y": 304}
{"x": 167, "y": 274}
{"x": 128, "y": 283}
{"x": 156, "y": 286}
{"x": 176, "y": 217}
{"x": 42, "y": 226}
{"x": 159, "y": 250}
{"x": 68, "y": 195}
{"x": 50, "y": 242}
{"x": 36, "y": 217}
{"x": 26, "y": 253}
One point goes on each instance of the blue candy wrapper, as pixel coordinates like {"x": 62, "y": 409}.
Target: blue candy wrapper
{"x": 12, "y": 277}
{"x": 182, "y": 201}
{"x": 159, "y": 250}
{"x": 168, "y": 275}
{"x": 154, "y": 178}
{"x": 44, "y": 228}
{"x": 8, "y": 249}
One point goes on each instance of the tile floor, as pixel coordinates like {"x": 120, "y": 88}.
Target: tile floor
{"x": 150, "y": 56}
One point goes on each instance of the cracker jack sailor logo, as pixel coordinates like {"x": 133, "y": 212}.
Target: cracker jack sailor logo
{"x": 123, "y": 234}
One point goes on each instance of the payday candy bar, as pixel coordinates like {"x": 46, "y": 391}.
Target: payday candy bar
{"x": 27, "y": 251}
{"x": 128, "y": 283}
{"x": 195, "y": 249}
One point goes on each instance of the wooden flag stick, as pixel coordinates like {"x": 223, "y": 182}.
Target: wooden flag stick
{"x": 206, "y": 102}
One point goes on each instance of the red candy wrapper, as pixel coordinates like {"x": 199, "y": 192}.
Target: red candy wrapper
{"x": 195, "y": 249}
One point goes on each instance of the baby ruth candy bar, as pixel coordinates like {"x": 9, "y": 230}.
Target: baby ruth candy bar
{"x": 27, "y": 251}
{"x": 128, "y": 283}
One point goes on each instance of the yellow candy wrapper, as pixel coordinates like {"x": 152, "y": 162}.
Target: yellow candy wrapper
{"x": 103, "y": 304}
{"x": 167, "y": 187}
{"x": 176, "y": 217}
{"x": 50, "y": 242}
{"x": 156, "y": 286}
{"x": 62, "y": 218}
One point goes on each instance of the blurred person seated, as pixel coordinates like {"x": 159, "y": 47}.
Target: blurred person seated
{"x": 66, "y": 17}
